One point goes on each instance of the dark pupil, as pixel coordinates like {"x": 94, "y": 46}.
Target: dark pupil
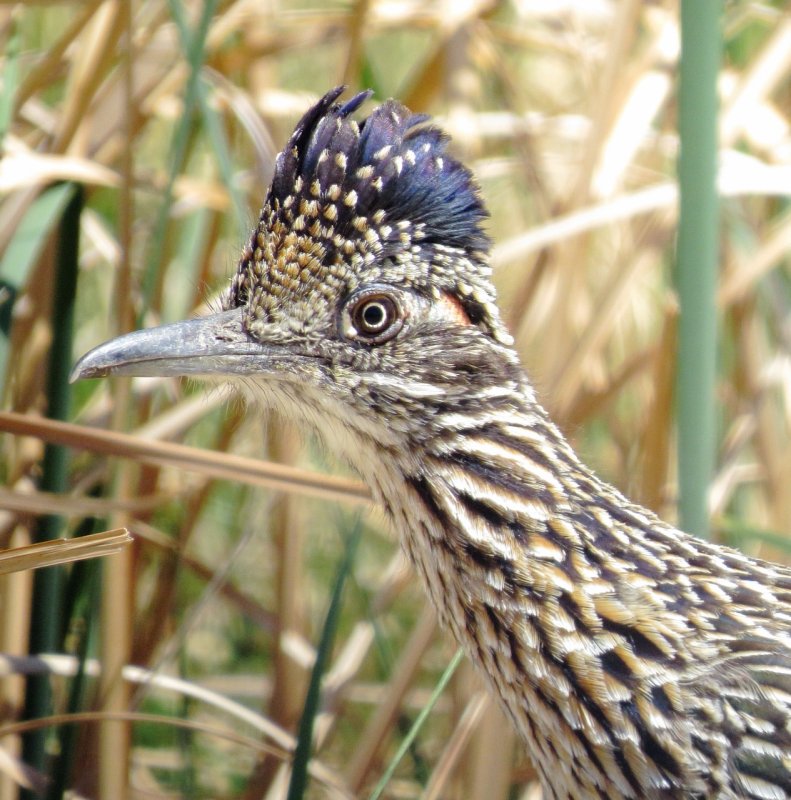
{"x": 374, "y": 315}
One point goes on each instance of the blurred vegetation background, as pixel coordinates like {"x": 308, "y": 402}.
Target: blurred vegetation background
{"x": 138, "y": 138}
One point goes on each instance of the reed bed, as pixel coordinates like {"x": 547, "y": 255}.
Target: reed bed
{"x": 263, "y": 637}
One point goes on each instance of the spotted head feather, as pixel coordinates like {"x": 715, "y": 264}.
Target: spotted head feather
{"x": 353, "y": 203}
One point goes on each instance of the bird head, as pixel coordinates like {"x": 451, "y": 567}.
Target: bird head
{"x": 363, "y": 291}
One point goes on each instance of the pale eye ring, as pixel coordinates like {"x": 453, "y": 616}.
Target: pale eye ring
{"x": 375, "y": 317}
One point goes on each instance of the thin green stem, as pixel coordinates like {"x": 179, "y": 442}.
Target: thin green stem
{"x": 421, "y": 718}
{"x": 181, "y": 138}
{"x": 299, "y": 773}
{"x": 45, "y": 621}
{"x": 697, "y": 258}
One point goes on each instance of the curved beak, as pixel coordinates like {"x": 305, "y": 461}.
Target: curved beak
{"x": 212, "y": 345}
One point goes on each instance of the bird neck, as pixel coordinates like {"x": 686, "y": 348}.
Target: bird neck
{"x": 536, "y": 567}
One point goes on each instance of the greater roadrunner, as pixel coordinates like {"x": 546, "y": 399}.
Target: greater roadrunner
{"x": 634, "y": 660}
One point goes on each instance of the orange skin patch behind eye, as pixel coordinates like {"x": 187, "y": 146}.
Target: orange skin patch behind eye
{"x": 453, "y": 309}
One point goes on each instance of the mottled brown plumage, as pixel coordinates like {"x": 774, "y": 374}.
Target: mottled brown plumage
{"x": 634, "y": 660}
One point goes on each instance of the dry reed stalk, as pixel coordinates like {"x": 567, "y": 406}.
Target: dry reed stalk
{"x": 63, "y": 551}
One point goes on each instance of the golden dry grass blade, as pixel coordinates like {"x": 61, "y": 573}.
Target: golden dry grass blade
{"x": 324, "y": 775}
{"x": 654, "y": 198}
{"x": 770, "y": 65}
{"x": 655, "y": 442}
{"x": 748, "y": 270}
{"x": 89, "y": 68}
{"x": 21, "y": 170}
{"x": 487, "y": 769}
{"x": 454, "y": 749}
{"x": 40, "y": 76}
{"x": 136, "y": 716}
{"x": 63, "y": 551}
{"x": 569, "y": 379}
{"x": 607, "y": 95}
{"x": 68, "y": 666}
{"x": 33, "y": 503}
{"x": 20, "y": 773}
{"x": 221, "y": 466}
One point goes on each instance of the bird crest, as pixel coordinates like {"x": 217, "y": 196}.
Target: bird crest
{"x": 351, "y": 203}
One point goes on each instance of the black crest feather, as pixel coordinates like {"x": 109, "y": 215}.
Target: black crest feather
{"x": 436, "y": 191}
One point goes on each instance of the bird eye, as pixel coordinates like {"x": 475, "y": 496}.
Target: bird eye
{"x": 374, "y": 317}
